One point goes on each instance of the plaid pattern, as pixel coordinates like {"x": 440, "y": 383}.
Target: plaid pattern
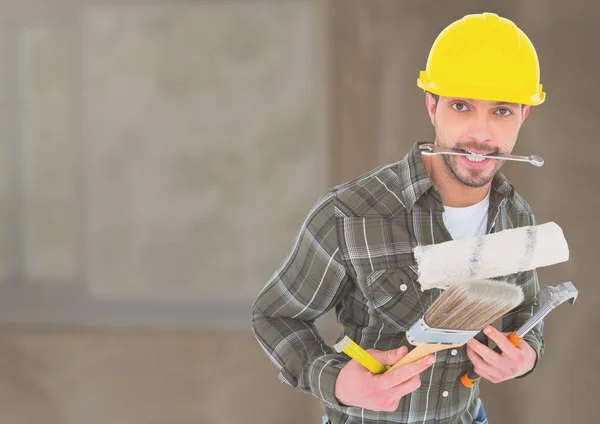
{"x": 354, "y": 254}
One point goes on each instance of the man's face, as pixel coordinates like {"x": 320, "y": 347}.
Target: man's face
{"x": 477, "y": 126}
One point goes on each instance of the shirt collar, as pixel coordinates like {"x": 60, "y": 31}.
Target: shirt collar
{"x": 415, "y": 180}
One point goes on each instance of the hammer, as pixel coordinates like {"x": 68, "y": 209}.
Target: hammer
{"x": 549, "y": 298}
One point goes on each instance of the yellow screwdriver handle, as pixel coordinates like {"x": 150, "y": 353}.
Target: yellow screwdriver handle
{"x": 350, "y": 348}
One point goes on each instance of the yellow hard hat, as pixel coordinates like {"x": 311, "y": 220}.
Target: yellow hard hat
{"x": 483, "y": 56}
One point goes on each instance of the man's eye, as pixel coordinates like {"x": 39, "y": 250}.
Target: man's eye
{"x": 504, "y": 112}
{"x": 459, "y": 106}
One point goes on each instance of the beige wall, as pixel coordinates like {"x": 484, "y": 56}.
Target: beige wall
{"x": 137, "y": 145}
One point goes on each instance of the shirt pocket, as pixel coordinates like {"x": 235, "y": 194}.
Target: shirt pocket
{"x": 396, "y": 297}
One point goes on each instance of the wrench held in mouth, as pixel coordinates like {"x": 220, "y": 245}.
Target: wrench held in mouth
{"x": 429, "y": 149}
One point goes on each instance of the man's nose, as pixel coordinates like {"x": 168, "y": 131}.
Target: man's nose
{"x": 479, "y": 129}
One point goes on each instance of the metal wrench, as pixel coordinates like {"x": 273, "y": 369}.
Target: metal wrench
{"x": 429, "y": 149}
{"x": 549, "y": 298}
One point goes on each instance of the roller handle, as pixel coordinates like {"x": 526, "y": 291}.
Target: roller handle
{"x": 470, "y": 377}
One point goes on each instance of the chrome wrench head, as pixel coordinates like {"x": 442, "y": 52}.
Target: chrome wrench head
{"x": 554, "y": 296}
{"x": 535, "y": 160}
{"x": 549, "y": 298}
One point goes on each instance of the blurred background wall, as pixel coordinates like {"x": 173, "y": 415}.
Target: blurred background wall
{"x": 157, "y": 159}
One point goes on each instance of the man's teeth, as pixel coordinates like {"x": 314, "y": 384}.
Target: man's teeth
{"x": 478, "y": 158}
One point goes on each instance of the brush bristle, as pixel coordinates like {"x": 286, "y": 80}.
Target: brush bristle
{"x": 471, "y": 305}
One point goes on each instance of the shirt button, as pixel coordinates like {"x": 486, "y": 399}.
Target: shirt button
{"x": 403, "y": 287}
{"x": 454, "y": 352}
{"x": 445, "y": 394}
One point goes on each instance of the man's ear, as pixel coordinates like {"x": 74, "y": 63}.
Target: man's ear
{"x": 525, "y": 112}
{"x": 431, "y": 104}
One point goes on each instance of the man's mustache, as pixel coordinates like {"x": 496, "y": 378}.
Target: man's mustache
{"x": 477, "y": 147}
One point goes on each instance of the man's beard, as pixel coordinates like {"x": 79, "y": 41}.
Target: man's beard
{"x": 470, "y": 177}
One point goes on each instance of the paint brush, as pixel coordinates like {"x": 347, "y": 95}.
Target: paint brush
{"x": 458, "y": 314}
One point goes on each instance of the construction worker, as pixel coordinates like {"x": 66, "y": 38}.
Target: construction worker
{"x": 354, "y": 250}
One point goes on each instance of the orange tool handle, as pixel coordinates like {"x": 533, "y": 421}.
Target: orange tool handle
{"x": 514, "y": 339}
{"x": 470, "y": 377}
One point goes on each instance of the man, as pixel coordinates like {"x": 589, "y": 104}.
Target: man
{"x": 354, "y": 251}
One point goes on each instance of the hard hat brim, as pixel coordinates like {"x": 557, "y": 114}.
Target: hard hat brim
{"x": 483, "y": 93}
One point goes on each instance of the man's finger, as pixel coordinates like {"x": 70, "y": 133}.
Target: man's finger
{"x": 405, "y": 388}
{"x": 406, "y": 372}
{"x": 485, "y": 352}
{"x": 475, "y": 358}
{"x": 388, "y": 357}
{"x": 484, "y": 369}
{"x": 501, "y": 340}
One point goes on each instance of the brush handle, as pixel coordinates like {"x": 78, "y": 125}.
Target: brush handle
{"x": 470, "y": 377}
{"x": 420, "y": 351}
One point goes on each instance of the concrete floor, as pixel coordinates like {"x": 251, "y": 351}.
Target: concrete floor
{"x": 98, "y": 377}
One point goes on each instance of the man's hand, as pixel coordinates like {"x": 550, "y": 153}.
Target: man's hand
{"x": 513, "y": 362}
{"x": 357, "y": 386}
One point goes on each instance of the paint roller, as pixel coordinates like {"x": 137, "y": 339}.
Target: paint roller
{"x": 492, "y": 255}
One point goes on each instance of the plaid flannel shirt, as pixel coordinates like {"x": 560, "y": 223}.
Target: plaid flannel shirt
{"x": 354, "y": 254}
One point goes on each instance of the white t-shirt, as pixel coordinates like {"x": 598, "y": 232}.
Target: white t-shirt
{"x": 469, "y": 221}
